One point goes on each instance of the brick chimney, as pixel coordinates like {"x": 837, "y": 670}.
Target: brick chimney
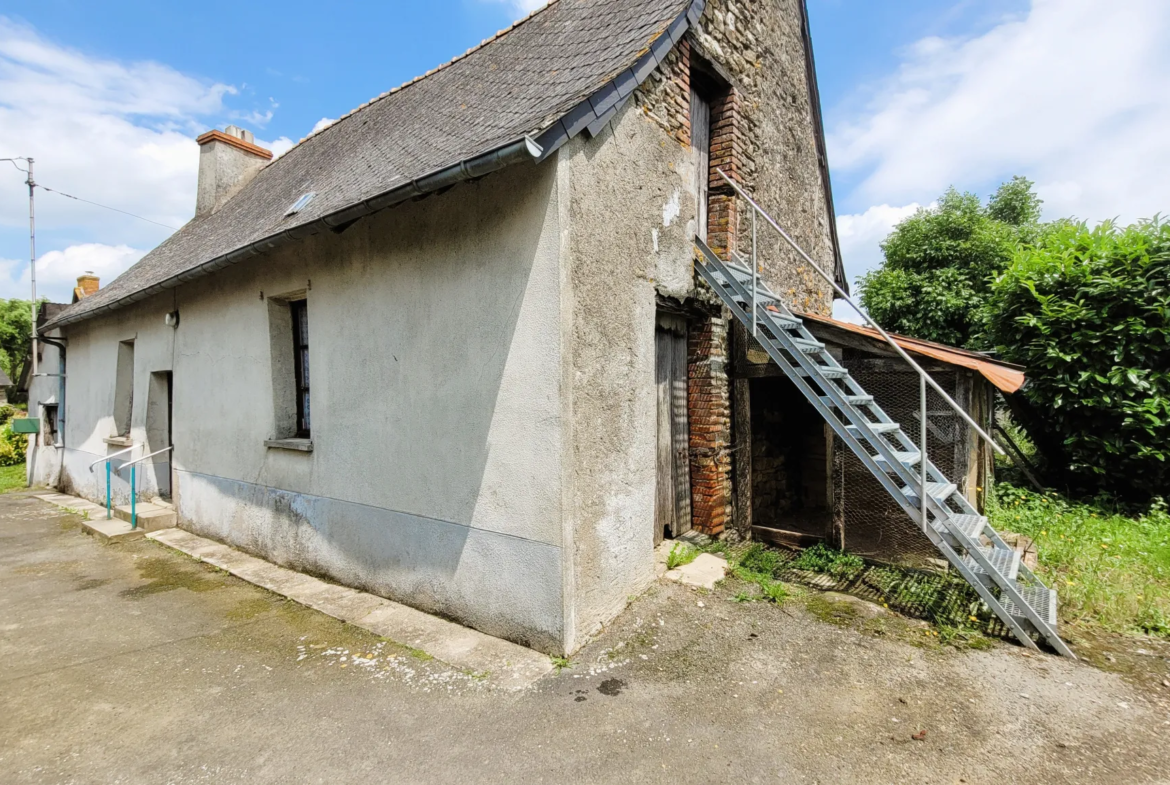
{"x": 87, "y": 284}
{"x": 228, "y": 160}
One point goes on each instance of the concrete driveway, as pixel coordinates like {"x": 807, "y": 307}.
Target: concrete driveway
{"x": 130, "y": 663}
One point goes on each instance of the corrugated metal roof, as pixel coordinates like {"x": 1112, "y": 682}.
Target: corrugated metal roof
{"x": 1006, "y": 376}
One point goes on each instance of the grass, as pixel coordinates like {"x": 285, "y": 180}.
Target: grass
{"x": 761, "y": 566}
{"x": 1110, "y": 568}
{"x": 12, "y": 478}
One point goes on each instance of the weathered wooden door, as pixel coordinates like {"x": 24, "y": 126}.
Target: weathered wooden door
{"x": 701, "y": 142}
{"x": 673, "y": 506}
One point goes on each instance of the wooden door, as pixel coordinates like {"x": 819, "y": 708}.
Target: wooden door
{"x": 673, "y": 502}
{"x": 701, "y": 142}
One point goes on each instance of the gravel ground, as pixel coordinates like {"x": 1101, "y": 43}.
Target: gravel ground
{"x": 132, "y": 664}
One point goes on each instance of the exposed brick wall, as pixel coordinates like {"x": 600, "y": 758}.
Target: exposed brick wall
{"x": 709, "y": 410}
{"x": 723, "y": 208}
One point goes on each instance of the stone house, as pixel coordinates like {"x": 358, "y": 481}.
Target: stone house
{"x": 518, "y": 384}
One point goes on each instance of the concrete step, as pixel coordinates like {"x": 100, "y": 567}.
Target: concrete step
{"x": 151, "y": 517}
{"x": 113, "y": 530}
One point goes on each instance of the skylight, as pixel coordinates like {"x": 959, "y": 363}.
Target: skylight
{"x": 301, "y": 204}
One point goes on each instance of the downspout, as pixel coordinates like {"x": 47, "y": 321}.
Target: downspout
{"x": 60, "y": 390}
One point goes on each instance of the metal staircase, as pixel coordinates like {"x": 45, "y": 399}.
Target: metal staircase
{"x": 965, "y": 538}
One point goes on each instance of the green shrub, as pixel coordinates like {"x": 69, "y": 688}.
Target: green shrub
{"x": 12, "y": 446}
{"x": 1087, "y": 311}
{"x": 939, "y": 263}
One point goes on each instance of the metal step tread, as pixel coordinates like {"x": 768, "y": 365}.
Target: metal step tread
{"x": 852, "y": 400}
{"x": 824, "y": 373}
{"x": 808, "y": 347}
{"x": 1041, "y": 599}
{"x": 1005, "y": 561}
{"x": 970, "y": 525}
{"x": 782, "y": 321}
{"x": 939, "y": 491}
{"x": 904, "y": 458}
{"x": 877, "y": 427}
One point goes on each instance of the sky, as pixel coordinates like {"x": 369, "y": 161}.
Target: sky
{"x": 918, "y": 95}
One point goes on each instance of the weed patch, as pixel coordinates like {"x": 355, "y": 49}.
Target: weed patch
{"x": 681, "y": 553}
{"x": 823, "y": 559}
{"x": 943, "y": 599}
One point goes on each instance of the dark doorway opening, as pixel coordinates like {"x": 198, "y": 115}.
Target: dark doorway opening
{"x": 160, "y": 428}
{"x": 791, "y": 465}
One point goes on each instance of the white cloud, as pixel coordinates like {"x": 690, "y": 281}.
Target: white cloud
{"x": 861, "y": 236}
{"x": 57, "y": 271}
{"x": 322, "y": 124}
{"x": 121, "y": 134}
{"x": 522, "y": 7}
{"x": 1075, "y": 95}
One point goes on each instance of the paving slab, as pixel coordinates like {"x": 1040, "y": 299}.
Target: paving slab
{"x": 704, "y": 572}
{"x": 503, "y": 663}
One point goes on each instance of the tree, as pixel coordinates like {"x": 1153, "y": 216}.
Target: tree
{"x": 1088, "y": 312}
{"x": 939, "y": 263}
{"x": 15, "y": 337}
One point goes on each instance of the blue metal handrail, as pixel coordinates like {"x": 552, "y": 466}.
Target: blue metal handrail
{"x": 106, "y": 460}
{"x": 134, "y": 483}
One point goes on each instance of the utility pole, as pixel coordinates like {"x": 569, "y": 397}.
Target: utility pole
{"x": 32, "y": 263}
{"x": 32, "y": 253}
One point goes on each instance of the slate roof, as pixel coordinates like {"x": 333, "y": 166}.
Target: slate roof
{"x": 519, "y": 83}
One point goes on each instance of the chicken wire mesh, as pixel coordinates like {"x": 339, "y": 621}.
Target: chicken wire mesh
{"x": 874, "y": 525}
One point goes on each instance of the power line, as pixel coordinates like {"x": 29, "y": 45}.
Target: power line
{"x": 13, "y": 162}
{"x": 105, "y": 206}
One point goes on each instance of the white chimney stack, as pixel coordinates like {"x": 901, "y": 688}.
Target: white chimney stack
{"x": 228, "y": 160}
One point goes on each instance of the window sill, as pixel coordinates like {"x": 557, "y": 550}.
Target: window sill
{"x": 118, "y": 441}
{"x": 297, "y": 445}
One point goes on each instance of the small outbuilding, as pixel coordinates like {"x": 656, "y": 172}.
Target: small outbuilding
{"x": 807, "y": 487}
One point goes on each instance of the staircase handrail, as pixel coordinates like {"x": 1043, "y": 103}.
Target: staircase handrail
{"x": 133, "y": 465}
{"x": 923, "y": 375}
{"x": 144, "y": 457}
{"x": 112, "y": 455}
{"x": 106, "y": 460}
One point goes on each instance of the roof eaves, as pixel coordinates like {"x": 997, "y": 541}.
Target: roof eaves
{"x": 594, "y": 112}
{"x": 517, "y": 151}
{"x": 814, "y": 95}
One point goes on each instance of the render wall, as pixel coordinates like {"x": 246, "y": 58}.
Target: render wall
{"x": 435, "y": 476}
{"x": 630, "y": 207}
